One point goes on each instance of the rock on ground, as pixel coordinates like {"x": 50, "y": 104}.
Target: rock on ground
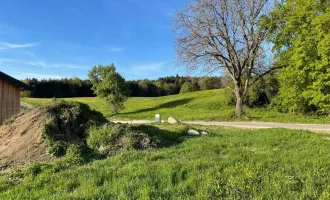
{"x": 172, "y": 120}
{"x": 204, "y": 133}
{"x": 193, "y": 132}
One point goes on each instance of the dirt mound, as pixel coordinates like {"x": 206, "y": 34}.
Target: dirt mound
{"x": 21, "y": 141}
{"x": 44, "y": 133}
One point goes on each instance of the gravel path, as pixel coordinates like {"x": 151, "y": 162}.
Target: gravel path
{"x": 249, "y": 125}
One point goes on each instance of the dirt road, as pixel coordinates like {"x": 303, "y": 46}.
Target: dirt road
{"x": 249, "y": 125}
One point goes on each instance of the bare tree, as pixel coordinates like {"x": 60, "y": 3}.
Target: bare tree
{"x": 223, "y": 34}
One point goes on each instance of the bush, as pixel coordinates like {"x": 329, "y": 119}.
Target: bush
{"x": 113, "y": 138}
{"x": 105, "y": 135}
{"x": 75, "y": 154}
{"x": 68, "y": 124}
{"x": 187, "y": 87}
{"x": 263, "y": 91}
{"x": 57, "y": 148}
{"x": 209, "y": 83}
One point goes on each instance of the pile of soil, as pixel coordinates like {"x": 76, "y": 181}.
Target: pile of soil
{"x": 29, "y": 136}
{"x": 21, "y": 140}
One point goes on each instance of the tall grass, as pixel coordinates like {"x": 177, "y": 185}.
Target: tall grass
{"x": 226, "y": 164}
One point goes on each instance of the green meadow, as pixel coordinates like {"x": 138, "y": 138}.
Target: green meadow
{"x": 211, "y": 105}
{"x": 225, "y": 164}
{"x": 275, "y": 54}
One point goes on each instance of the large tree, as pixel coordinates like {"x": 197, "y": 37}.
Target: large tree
{"x": 223, "y": 34}
{"x": 109, "y": 85}
{"x": 300, "y": 32}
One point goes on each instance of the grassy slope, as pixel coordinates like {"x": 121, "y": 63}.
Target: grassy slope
{"x": 202, "y": 105}
{"x": 228, "y": 163}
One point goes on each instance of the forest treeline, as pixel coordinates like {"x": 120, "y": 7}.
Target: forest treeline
{"x": 75, "y": 87}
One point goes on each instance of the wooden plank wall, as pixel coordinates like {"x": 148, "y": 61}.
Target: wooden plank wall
{"x": 9, "y": 100}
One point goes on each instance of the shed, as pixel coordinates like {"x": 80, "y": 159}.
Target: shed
{"x": 10, "y": 96}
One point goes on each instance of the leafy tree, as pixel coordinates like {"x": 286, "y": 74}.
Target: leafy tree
{"x": 223, "y": 35}
{"x": 263, "y": 91}
{"x": 300, "y": 31}
{"x": 144, "y": 87}
{"x": 166, "y": 89}
{"x": 205, "y": 83}
{"x": 159, "y": 88}
{"x": 187, "y": 87}
{"x": 109, "y": 85}
{"x": 173, "y": 88}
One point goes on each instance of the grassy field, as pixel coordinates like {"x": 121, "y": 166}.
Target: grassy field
{"x": 226, "y": 164}
{"x": 203, "y": 105}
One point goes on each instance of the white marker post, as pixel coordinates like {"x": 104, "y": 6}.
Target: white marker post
{"x": 158, "y": 118}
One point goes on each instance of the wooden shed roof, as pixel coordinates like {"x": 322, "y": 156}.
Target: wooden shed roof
{"x": 15, "y": 81}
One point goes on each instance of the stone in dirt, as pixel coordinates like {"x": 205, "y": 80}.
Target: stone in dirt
{"x": 193, "y": 132}
{"x": 172, "y": 120}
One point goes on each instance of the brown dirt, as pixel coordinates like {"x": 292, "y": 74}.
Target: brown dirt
{"x": 20, "y": 141}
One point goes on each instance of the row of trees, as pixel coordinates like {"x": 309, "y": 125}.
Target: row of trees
{"x": 171, "y": 85}
{"x": 75, "y": 87}
{"x": 60, "y": 88}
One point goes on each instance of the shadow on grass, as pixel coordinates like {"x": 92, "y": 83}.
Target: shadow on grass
{"x": 170, "y": 104}
{"x": 162, "y": 138}
{"x": 137, "y": 136}
{"x": 251, "y": 118}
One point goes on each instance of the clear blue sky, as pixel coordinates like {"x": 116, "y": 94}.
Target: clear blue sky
{"x": 63, "y": 38}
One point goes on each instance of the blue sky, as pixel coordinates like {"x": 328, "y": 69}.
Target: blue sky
{"x": 65, "y": 38}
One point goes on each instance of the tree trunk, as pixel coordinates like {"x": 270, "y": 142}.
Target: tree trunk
{"x": 239, "y": 103}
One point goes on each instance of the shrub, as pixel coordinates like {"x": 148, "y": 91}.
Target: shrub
{"x": 113, "y": 138}
{"x": 57, "y": 148}
{"x": 105, "y": 135}
{"x": 75, "y": 154}
{"x": 206, "y": 83}
{"x": 263, "y": 91}
{"x": 187, "y": 87}
{"x": 68, "y": 124}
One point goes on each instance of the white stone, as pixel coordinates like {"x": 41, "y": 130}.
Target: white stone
{"x": 158, "y": 118}
{"x": 204, "y": 133}
{"x": 193, "y": 132}
{"x": 172, "y": 120}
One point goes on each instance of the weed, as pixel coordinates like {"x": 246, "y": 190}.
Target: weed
{"x": 8, "y": 121}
